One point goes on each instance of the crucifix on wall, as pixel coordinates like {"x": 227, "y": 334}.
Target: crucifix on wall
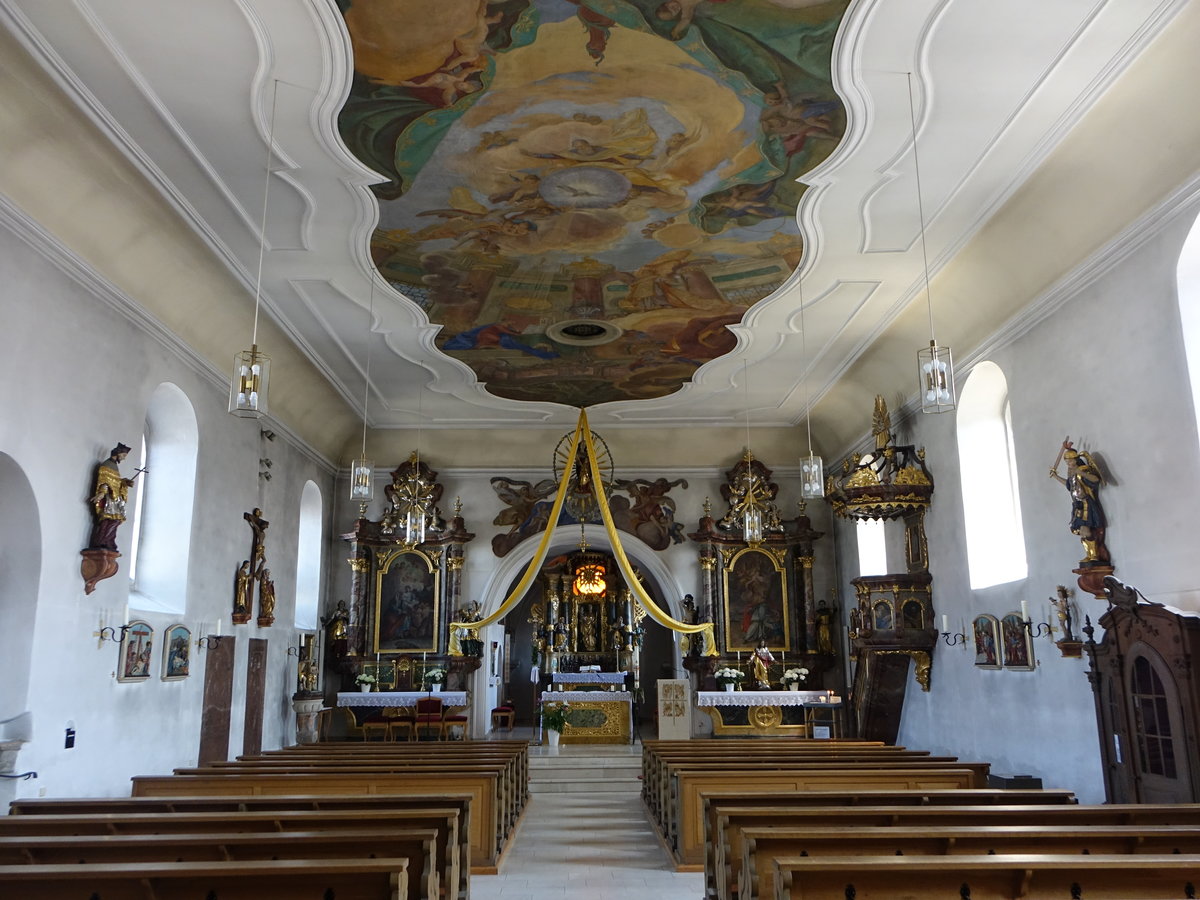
{"x": 254, "y": 570}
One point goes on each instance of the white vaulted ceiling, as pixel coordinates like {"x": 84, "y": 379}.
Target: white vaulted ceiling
{"x": 185, "y": 89}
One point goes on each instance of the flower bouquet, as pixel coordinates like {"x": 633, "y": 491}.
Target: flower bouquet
{"x": 792, "y": 677}
{"x": 365, "y": 682}
{"x": 556, "y": 716}
{"x": 435, "y": 675}
{"x": 728, "y": 677}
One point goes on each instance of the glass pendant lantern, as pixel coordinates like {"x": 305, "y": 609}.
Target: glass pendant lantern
{"x": 812, "y": 476}
{"x": 248, "y": 387}
{"x": 362, "y": 480}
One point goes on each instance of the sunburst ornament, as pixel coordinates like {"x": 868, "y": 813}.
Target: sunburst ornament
{"x": 580, "y": 501}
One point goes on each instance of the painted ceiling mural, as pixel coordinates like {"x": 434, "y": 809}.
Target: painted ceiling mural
{"x": 585, "y": 193}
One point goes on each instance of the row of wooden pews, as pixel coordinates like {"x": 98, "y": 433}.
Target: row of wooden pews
{"x": 764, "y": 838}
{"x": 345, "y": 821}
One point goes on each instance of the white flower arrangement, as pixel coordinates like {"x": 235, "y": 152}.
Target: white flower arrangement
{"x": 365, "y": 679}
{"x": 728, "y": 675}
{"x": 435, "y": 675}
{"x": 794, "y": 676}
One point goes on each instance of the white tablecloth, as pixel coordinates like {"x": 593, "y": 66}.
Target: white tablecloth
{"x": 765, "y": 698}
{"x": 588, "y": 677}
{"x": 571, "y": 696}
{"x": 399, "y": 698}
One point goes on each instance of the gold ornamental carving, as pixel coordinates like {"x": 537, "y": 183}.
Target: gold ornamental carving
{"x": 454, "y": 563}
{"x": 920, "y": 658}
{"x": 359, "y": 564}
{"x": 764, "y": 716}
{"x": 708, "y": 563}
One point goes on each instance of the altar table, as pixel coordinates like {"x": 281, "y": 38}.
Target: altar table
{"x": 772, "y": 713}
{"x": 602, "y": 717}
{"x": 452, "y": 701}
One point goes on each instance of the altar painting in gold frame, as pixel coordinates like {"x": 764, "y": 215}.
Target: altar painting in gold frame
{"x": 407, "y": 603}
{"x": 756, "y": 601}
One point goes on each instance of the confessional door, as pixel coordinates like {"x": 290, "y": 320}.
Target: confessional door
{"x": 1146, "y": 705}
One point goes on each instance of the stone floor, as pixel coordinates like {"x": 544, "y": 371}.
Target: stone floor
{"x": 587, "y": 846}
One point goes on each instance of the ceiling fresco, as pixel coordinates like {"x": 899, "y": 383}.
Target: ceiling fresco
{"x": 585, "y": 193}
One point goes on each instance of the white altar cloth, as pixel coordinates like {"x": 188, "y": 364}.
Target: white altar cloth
{"x": 765, "y": 698}
{"x": 588, "y": 677}
{"x": 399, "y": 698}
{"x": 577, "y": 696}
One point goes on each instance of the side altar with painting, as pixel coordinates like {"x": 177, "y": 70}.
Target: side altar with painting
{"x": 397, "y": 631}
{"x": 776, "y": 640}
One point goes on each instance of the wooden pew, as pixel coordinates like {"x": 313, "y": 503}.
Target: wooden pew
{"x": 761, "y": 846}
{"x": 485, "y": 829}
{"x": 276, "y": 879}
{"x": 727, "y": 813}
{"x": 453, "y": 853}
{"x": 1028, "y": 876}
{"x": 418, "y": 846}
{"x": 686, "y": 836}
{"x": 508, "y": 806}
{"x": 657, "y": 772}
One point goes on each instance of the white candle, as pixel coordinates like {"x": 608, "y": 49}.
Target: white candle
{"x": 1025, "y": 610}
{"x": 739, "y": 653}
{"x": 218, "y": 627}
{"x": 945, "y": 623}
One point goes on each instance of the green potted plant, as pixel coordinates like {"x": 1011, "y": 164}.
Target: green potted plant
{"x": 555, "y": 718}
{"x": 434, "y": 678}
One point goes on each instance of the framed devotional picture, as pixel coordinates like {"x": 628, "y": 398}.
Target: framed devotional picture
{"x": 407, "y": 603}
{"x": 136, "y": 648}
{"x": 987, "y": 641}
{"x": 756, "y": 601}
{"x": 1017, "y": 642}
{"x": 177, "y": 653}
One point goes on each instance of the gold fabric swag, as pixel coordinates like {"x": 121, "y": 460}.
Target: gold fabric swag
{"x": 583, "y": 435}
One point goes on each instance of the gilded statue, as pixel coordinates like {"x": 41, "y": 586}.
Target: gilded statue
{"x": 242, "y": 591}
{"x": 109, "y": 499}
{"x": 587, "y": 626}
{"x": 761, "y": 659}
{"x": 824, "y": 617}
{"x": 336, "y": 623}
{"x": 1083, "y": 481}
{"x": 266, "y": 598}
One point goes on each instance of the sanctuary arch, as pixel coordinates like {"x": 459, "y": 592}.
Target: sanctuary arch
{"x": 662, "y": 644}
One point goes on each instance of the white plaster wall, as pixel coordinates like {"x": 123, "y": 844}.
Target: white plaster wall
{"x": 81, "y": 374}
{"x": 1107, "y": 368}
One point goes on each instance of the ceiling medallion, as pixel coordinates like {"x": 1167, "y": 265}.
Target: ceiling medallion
{"x": 583, "y": 332}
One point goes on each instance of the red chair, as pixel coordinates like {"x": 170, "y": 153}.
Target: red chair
{"x": 452, "y": 720}
{"x": 429, "y": 715}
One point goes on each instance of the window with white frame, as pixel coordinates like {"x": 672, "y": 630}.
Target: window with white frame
{"x": 163, "y": 505}
{"x": 308, "y": 557}
{"x": 987, "y": 467}
{"x": 1187, "y": 282}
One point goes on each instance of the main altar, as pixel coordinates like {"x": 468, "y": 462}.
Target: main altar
{"x": 804, "y": 714}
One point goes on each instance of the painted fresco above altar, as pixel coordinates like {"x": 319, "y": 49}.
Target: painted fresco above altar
{"x": 585, "y": 193}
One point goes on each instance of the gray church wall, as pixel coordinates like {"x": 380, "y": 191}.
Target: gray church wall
{"x": 82, "y": 366}
{"x": 1108, "y": 369}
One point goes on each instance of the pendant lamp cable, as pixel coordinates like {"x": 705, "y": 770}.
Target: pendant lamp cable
{"x": 746, "y": 394}
{"x": 262, "y": 230}
{"x": 804, "y": 374}
{"x": 912, "y": 115}
{"x": 367, "y": 376}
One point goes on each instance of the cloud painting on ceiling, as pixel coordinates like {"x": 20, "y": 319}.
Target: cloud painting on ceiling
{"x": 585, "y": 193}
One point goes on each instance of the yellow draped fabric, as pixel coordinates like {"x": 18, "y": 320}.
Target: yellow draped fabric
{"x": 583, "y": 434}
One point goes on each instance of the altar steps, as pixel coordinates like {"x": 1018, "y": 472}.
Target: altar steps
{"x": 584, "y": 769}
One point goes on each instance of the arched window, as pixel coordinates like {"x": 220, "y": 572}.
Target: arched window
{"x": 308, "y": 557}
{"x": 987, "y": 467}
{"x": 872, "y": 547}
{"x": 162, "y": 533}
{"x": 20, "y": 582}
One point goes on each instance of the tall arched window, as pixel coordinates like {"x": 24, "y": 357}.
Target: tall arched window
{"x": 163, "y": 507}
{"x": 308, "y": 557}
{"x": 987, "y": 466}
{"x": 872, "y": 547}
